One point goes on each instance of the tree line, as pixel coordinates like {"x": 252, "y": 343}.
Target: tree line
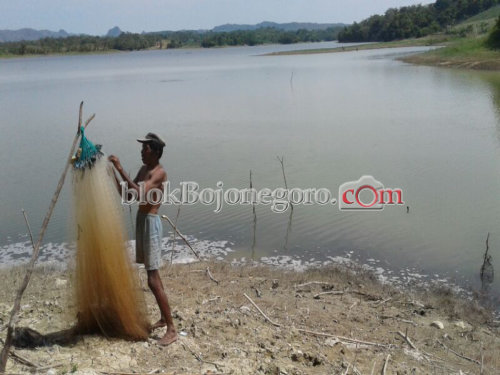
{"x": 167, "y": 39}
{"x": 413, "y": 21}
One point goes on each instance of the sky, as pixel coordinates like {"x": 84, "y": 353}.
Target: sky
{"x": 96, "y": 17}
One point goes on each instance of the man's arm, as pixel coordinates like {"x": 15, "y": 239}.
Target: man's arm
{"x": 154, "y": 181}
{"x": 118, "y": 167}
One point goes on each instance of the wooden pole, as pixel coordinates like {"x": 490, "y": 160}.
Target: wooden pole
{"x": 36, "y": 250}
{"x": 165, "y": 217}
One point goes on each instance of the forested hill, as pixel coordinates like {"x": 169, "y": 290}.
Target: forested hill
{"x": 413, "y": 21}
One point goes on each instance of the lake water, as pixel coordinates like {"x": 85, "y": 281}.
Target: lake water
{"x": 434, "y": 133}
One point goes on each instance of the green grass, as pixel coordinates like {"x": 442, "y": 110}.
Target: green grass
{"x": 467, "y": 53}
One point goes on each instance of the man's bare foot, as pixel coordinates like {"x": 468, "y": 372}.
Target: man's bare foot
{"x": 159, "y": 324}
{"x": 169, "y": 338}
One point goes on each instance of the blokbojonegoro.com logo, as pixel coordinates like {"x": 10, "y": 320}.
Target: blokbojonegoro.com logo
{"x": 363, "y": 194}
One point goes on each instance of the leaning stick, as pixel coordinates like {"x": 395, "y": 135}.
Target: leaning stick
{"x": 165, "y": 217}
{"x": 385, "y": 364}
{"x": 460, "y": 355}
{"x": 36, "y": 250}
{"x": 29, "y": 228}
{"x": 264, "y": 315}
{"x": 282, "y": 162}
{"x": 211, "y": 276}
{"x": 407, "y": 339}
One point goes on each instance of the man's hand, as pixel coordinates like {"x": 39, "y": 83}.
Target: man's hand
{"x": 116, "y": 162}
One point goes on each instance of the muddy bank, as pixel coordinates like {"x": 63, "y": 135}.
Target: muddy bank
{"x": 490, "y": 64}
{"x": 335, "y": 320}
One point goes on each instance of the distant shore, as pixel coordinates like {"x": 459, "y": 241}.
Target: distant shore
{"x": 463, "y": 53}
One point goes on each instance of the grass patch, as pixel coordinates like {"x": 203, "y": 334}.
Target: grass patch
{"x": 466, "y": 53}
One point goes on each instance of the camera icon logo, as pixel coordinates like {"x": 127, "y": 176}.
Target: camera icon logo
{"x": 367, "y": 194}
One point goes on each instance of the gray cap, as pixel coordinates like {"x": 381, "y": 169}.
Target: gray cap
{"x": 152, "y": 138}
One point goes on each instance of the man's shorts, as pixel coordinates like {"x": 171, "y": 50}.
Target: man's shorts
{"x": 149, "y": 233}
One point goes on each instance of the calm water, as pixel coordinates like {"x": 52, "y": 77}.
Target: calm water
{"x": 435, "y": 133}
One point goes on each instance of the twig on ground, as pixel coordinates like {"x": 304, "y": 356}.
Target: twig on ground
{"x": 398, "y": 319}
{"x": 36, "y": 250}
{"x": 334, "y": 292}
{"x": 460, "y": 355}
{"x": 312, "y": 283}
{"x": 135, "y": 373}
{"x": 23, "y": 360}
{"x": 50, "y": 366}
{"x": 264, "y": 315}
{"x": 407, "y": 340}
{"x": 342, "y": 338}
{"x": 165, "y": 217}
{"x": 385, "y": 364}
{"x": 347, "y": 369}
{"x": 211, "y": 276}
{"x": 198, "y": 357}
{"x": 369, "y": 296}
{"x": 381, "y": 302}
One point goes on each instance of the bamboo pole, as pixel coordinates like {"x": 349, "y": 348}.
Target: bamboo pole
{"x": 36, "y": 250}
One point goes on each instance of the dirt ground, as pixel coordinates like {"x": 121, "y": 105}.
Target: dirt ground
{"x": 335, "y": 320}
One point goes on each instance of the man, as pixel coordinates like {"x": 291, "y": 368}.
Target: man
{"x": 149, "y": 226}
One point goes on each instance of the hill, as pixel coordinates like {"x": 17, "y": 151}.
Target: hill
{"x": 30, "y": 34}
{"x": 415, "y": 21}
{"x": 291, "y": 26}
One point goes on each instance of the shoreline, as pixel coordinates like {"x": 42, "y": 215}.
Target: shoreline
{"x": 460, "y": 53}
{"x": 322, "y": 321}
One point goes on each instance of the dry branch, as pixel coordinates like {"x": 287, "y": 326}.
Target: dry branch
{"x": 88, "y": 120}
{"x": 334, "y": 292}
{"x": 385, "y": 364}
{"x": 36, "y": 250}
{"x": 313, "y": 283}
{"x": 460, "y": 355}
{"x": 342, "y": 338}
{"x": 407, "y": 339}
{"x": 211, "y": 276}
{"x": 198, "y": 357}
{"x": 165, "y": 217}
{"x": 264, "y": 315}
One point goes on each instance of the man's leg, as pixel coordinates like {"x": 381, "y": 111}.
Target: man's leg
{"x": 156, "y": 286}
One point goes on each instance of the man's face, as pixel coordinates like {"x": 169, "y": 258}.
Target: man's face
{"x": 146, "y": 153}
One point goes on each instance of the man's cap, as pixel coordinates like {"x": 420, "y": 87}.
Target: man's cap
{"x": 152, "y": 138}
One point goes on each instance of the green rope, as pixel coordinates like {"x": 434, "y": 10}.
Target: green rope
{"x": 87, "y": 153}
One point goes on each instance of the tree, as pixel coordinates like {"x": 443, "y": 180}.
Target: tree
{"x": 493, "y": 40}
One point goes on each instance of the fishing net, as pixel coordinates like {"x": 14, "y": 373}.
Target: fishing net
{"x": 108, "y": 295}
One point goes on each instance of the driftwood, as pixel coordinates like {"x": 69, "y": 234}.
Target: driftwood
{"x": 165, "y": 217}
{"x": 36, "y": 250}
